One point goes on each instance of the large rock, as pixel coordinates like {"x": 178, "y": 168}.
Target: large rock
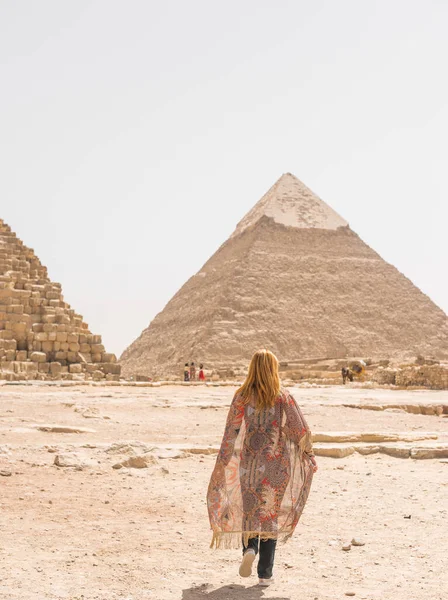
{"x": 70, "y": 459}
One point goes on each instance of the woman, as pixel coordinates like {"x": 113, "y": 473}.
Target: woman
{"x": 201, "y": 372}
{"x": 263, "y": 471}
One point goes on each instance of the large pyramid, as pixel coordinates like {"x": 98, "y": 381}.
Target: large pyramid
{"x": 41, "y": 337}
{"x": 293, "y": 278}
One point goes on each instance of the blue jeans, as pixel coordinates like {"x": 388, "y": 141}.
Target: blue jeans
{"x": 267, "y": 553}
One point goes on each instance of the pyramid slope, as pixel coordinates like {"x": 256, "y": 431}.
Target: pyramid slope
{"x": 302, "y": 292}
{"x": 40, "y": 335}
{"x": 291, "y": 203}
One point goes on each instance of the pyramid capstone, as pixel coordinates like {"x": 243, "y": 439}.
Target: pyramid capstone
{"x": 289, "y": 202}
{"x": 41, "y": 337}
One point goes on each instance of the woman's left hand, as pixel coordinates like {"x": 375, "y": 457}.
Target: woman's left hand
{"x": 314, "y": 463}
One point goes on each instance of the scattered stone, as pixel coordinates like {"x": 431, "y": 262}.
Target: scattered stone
{"x": 70, "y": 460}
{"x": 338, "y": 451}
{"x": 142, "y": 461}
{"x": 5, "y": 473}
{"x": 88, "y": 413}
{"x": 356, "y": 542}
{"x": 347, "y": 547}
{"x": 62, "y": 429}
{"x": 350, "y": 593}
{"x": 425, "y": 453}
{"x": 131, "y": 447}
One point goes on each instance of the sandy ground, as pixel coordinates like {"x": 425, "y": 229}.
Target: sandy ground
{"x": 143, "y": 534}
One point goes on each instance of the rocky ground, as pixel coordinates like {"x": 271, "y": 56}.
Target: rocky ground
{"x": 90, "y": 531}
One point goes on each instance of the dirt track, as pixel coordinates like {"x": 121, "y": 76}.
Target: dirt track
{"x": 101, "y": 533}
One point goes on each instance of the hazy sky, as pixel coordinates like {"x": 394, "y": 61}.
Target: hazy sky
{"x": 134, "y": 135}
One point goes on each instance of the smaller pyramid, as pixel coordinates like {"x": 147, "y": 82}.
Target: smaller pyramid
{"x": 41, "y": 337}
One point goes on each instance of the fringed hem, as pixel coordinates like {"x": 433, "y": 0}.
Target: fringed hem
{"x": 233, "y": 539}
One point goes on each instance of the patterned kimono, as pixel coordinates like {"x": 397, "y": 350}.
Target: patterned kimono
{"x": 263, "y": 473}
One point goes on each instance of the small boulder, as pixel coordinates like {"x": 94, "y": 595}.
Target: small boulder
{"x": 70, "y": 460}
{"x": 142, "y": 461}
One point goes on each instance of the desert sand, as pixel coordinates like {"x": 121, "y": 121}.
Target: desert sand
{"x": 90, "y": 531}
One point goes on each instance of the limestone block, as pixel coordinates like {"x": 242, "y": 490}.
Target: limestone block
{"x": 21, "y": 355}
{"x": 37, "y": 327}
{"x": 38, "y": 357}
{"x": 97, "y": 348}
{"x": 64, "y": 346}
{"x": 47, "y": 346}
{"x": 44, "y": 367}
{"x": 6, "y": 365}
{"x": 97, "y": 358}
{"x": 109, "y": 358}
{"x": 86, "y": 357}
{"x": 74, "y": 347}
{"x": 75, "y": 368}
{"x": 72, "y": 337}
{"x": 56, "y": 346}
{"x": 41, "y": 336}
{"x": 396, "y": 451}
{"x": 96, "y": 339}
{"x": 420, "y": 453}
{"x": 61, "y": 355}
{"x": 52, "y": 295}
{"x": 6, "y": 335}
{"x": 98, "y": 375}
{"x": 72, "y": 357}
{"x": 18, "y": 328}
{"x": 55, "y": 368}
{"x": 63, "y": 319}
{"x": 86, "y": 348}
{"x": 10, "y": 355}
{"x": 110, "y": 377}
{"x": 334, "y": 451}
{"x": 112, "y": 368}
{"x": 82, "y": 338}
{"x": 52, "y": 335}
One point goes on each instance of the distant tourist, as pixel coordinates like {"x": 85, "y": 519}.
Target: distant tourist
{"x": 186, "y": 372}
{"x": 201, "y": 376}
{"x": 192, "y": 372}
{"x": 263, "y": 471}
{"x": 346, "y": 374}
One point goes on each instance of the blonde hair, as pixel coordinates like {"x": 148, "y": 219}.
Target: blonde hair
{"x": 262, "y": 381}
